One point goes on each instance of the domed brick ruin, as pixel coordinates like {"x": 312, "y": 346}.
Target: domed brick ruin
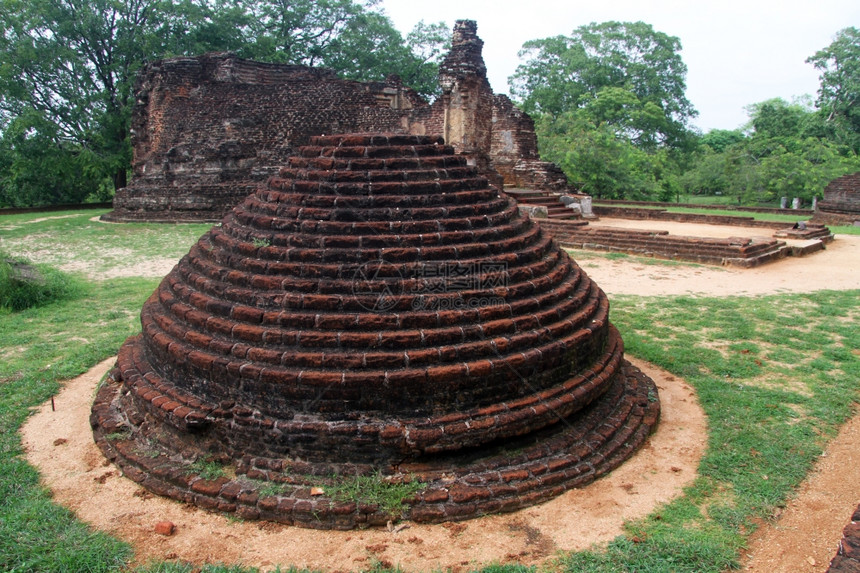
{"x": 376, "y": 316}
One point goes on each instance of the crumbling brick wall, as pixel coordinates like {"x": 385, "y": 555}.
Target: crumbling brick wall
{"x": 207, "y": 130}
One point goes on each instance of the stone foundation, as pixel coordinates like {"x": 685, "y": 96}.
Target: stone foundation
{"x": 735, "y": 251}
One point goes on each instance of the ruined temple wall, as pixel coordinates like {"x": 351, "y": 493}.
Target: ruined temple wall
{"x": 206, "y": 130}
{"x": 513, "y": 139}
{"x": 841, "y": 203}
{"x": 845, "y": 189}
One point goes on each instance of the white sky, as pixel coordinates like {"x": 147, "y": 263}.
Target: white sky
{"x": 737, "y": 52}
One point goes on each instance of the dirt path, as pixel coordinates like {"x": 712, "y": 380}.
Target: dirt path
{"x": 805, "y": 537}
{"x": 60, "y": 444}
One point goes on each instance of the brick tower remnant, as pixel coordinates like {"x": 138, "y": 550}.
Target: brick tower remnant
{"x": 841, "y": 203}
{"x": 207, "y": 130}
{"x": 375, "y": 311}
{"x": 467, "y": 99}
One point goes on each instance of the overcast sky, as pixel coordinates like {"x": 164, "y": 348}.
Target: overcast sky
{"x": 737, "y": 52}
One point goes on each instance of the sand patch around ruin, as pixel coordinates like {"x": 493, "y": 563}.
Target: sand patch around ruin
{"x": 837, "y": 267}
{"x": 59, "y": 443}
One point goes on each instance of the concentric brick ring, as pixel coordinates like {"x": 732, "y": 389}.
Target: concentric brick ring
{"x": 375, "y": 310}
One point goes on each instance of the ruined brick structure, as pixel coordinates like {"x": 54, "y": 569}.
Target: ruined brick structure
{"x": 207, "y": 130}
{"x": 847, "y": 559}
{"x": 377, "y": 309}
{"x": 841, "y": 203}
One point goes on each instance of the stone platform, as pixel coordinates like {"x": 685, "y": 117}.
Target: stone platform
{"x": 847, "y": 559}
{"x": 737, "y": 251}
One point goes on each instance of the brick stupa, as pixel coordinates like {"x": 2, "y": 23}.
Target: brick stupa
{"x": 376, "y": 310}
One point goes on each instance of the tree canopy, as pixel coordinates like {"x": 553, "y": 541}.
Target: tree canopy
{"x": 782, "y": 154}
{"x": 611, "y": 110}
{"x": 624, "y": 74}
{"x": 839, "y": 91}
{"x": 611, "y": 106}
{"x": 67, "y": 68}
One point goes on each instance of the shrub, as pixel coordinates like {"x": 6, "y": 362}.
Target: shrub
{"x": 24, "y": 285}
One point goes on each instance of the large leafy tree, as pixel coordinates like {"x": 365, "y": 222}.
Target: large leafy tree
{"x": 622, "y": 73}
{"x": 782, "y": 155}
{"x": 611, "y": 104}
{"x": 351, "y": 37}
{"x": 66, "y": 75}
{"x": 67, "y": 69}
{"x": 839, "y": 91}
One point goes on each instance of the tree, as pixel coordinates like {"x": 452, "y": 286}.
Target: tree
{"x": 598, "y": 162}
{"x": 839, "y": 91}
{"x": 784, "y": 155}
{"x": 70, "y": 61}
{"x": 67, "y": 69}
{"x": 611, "y": 92}
{"x": 636, "y": 70}
{"x": 718, "y": 140}
{"x": 351, "y": 37}
{"x": 370, "y": 49}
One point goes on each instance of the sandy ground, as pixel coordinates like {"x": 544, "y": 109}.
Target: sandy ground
{"x": 835, "y": 268}
{"x": 59, "y": 442}
{"x": 805, "y": 537}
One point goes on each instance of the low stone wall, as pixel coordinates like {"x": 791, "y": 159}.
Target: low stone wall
{"x": 663, "y": 215}
{"x": 772, "y": 210}
{"x": 737, "y": 251}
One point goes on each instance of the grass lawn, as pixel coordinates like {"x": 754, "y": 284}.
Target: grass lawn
{"x": 776, "y": 375}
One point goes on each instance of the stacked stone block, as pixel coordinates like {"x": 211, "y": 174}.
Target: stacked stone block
{"x": 375, "y": 309}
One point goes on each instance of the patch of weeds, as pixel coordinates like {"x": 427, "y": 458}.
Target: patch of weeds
{"x": 259, "y": 243}
{"x": 117, "y": 436}
{"x": 148, "y": 451}
{"x": 374, "y": 490}
{"x": 270, "y": 488}
{"x": 508, "y": 568}
{"x": 615, "y": 256}
{"x": 207, "y": 470}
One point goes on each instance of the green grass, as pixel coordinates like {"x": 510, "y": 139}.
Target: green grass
{"x": 40, "y": 347}
{"x": 24, "y": 285}
{"x": 207, "y": 470}
{"x": 581, "y": 255}
{"x": 374, "y": 490}
{"x": 75, "y": 238}
{"x": 776, "y": 375}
